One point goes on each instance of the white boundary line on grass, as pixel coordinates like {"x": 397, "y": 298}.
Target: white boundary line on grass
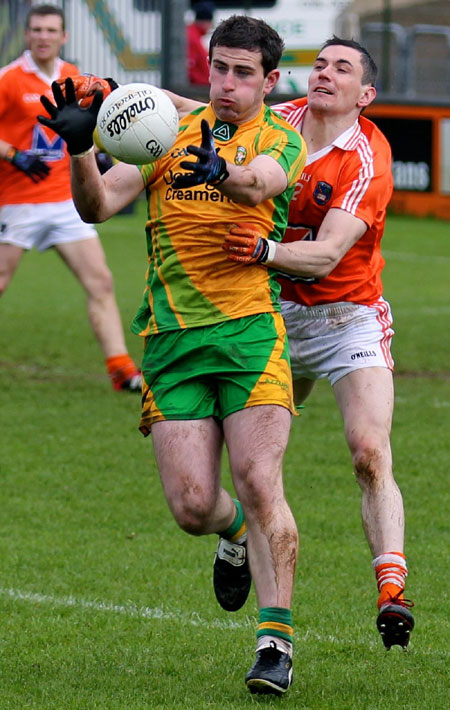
{"x": 145, "y": 612}
{"x": 160, "y": 613}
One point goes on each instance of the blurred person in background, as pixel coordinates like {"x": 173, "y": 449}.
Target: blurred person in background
{"x": 197, "y": 53}
{"x": 36, "y": 206}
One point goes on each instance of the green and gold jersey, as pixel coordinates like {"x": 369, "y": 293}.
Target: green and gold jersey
{"x": 190, "y": 281}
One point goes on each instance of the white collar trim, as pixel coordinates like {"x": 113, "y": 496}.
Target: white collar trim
{"x": 345, "y": 141}
{"x": 31, "y": 67}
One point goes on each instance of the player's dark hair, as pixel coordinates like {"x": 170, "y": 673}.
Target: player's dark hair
{"x": 244, "y": 32}
{"x": 42, "y": 10}
{"x": 370, "y": 69}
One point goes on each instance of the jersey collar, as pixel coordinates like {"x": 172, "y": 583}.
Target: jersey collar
{"x": 30, "y": 67}
{"x": 224, "y": 131}
{"x": 348, "y": 139}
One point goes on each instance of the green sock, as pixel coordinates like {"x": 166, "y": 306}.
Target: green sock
{"x": 275, "y": 621}
{"x": 238, "y": 526}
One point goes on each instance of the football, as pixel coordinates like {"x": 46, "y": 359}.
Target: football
{"x": 137, "y": 123}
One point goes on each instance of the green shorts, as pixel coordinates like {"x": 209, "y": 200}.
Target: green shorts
{"x": 216, "y": 370}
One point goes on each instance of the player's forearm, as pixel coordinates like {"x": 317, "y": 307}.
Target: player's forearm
{"x": 249, "y": 186}
{"x": 99, "y": 197}
{"x": 6, "y": 150}
{"x": 88, "y": 189}
{"x": 338, "y": 233}
{"x": 313, "y": 259}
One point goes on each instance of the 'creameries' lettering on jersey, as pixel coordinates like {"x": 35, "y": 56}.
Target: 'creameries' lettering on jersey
{"x": 206, "y": 192}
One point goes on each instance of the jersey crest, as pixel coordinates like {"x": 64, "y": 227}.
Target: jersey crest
{"x": 241, "y": 154}
{"x": 322, "y": 193}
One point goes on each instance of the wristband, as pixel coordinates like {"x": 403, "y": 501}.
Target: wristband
{"x": 223, "y": 174}
{"x": 271, "y": 251}
{"x": 10, "y": 153}
{"x": 85, "y": 152}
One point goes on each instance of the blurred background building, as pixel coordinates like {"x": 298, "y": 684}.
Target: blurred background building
{"x": 409, "y": 40}
{"x": 145, "y": 40}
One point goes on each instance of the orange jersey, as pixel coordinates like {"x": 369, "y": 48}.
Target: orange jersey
{"x": 353, "y": 174}
{"x": 21, "y": 85}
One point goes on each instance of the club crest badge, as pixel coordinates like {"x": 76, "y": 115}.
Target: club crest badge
{"x": 322, "y": 193}
{"x": 241, "y": 154}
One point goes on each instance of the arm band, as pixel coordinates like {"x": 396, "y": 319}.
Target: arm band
{"x": 10, "y": 153}
{"x": 272, "y": 249}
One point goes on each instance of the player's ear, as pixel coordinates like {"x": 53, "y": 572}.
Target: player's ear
{"x": 271, "y": 80}
{"x": 367, "y": 95}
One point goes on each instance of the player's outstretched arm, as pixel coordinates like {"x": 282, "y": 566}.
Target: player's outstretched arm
{"x": 338, "y": 233}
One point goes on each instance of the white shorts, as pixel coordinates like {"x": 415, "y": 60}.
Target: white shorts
{"x": 335, "y": 339}
{"x": 42, "y": 225}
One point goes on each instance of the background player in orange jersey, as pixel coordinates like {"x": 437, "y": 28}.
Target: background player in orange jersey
{"x": 36, "y": 207}
{"x": 216, "y": 367}
{"x": 197, "y": 56}
{"x": 338, "y": 323}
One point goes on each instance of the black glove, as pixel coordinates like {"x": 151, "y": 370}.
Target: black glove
{"x": 209, "y": 168}
{"x": 74, "y": 124}
{"x": 113, "y": 84}
{"x": 30, "y": 164}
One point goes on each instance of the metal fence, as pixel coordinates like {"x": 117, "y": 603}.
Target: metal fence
{"x": 131, "y": 40}
{"x": 414, "y": 61}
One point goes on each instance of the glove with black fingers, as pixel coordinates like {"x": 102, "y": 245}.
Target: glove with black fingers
{"x": 245, "y": 245}
{"x": 29, "y": 163}
{"x": 73, "y": 123}
{"x": 210, "y": 168}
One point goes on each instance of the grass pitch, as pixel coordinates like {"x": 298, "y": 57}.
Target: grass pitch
{"x": 106, "y": 605}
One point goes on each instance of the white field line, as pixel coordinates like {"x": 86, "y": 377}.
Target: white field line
{"x": 155, "y": 613}
{"x": 159, "y": 613}
{"x": 128, "y": 609}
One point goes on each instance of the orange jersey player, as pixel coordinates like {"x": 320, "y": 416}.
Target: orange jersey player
{"x": 338, "y": 323}
{"x": 354, "y": 176}
{"x": 21, "y": 85}
{"x": 36, "y": 207}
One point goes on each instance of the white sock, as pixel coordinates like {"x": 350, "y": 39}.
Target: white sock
{"x": 266, "y": 641}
